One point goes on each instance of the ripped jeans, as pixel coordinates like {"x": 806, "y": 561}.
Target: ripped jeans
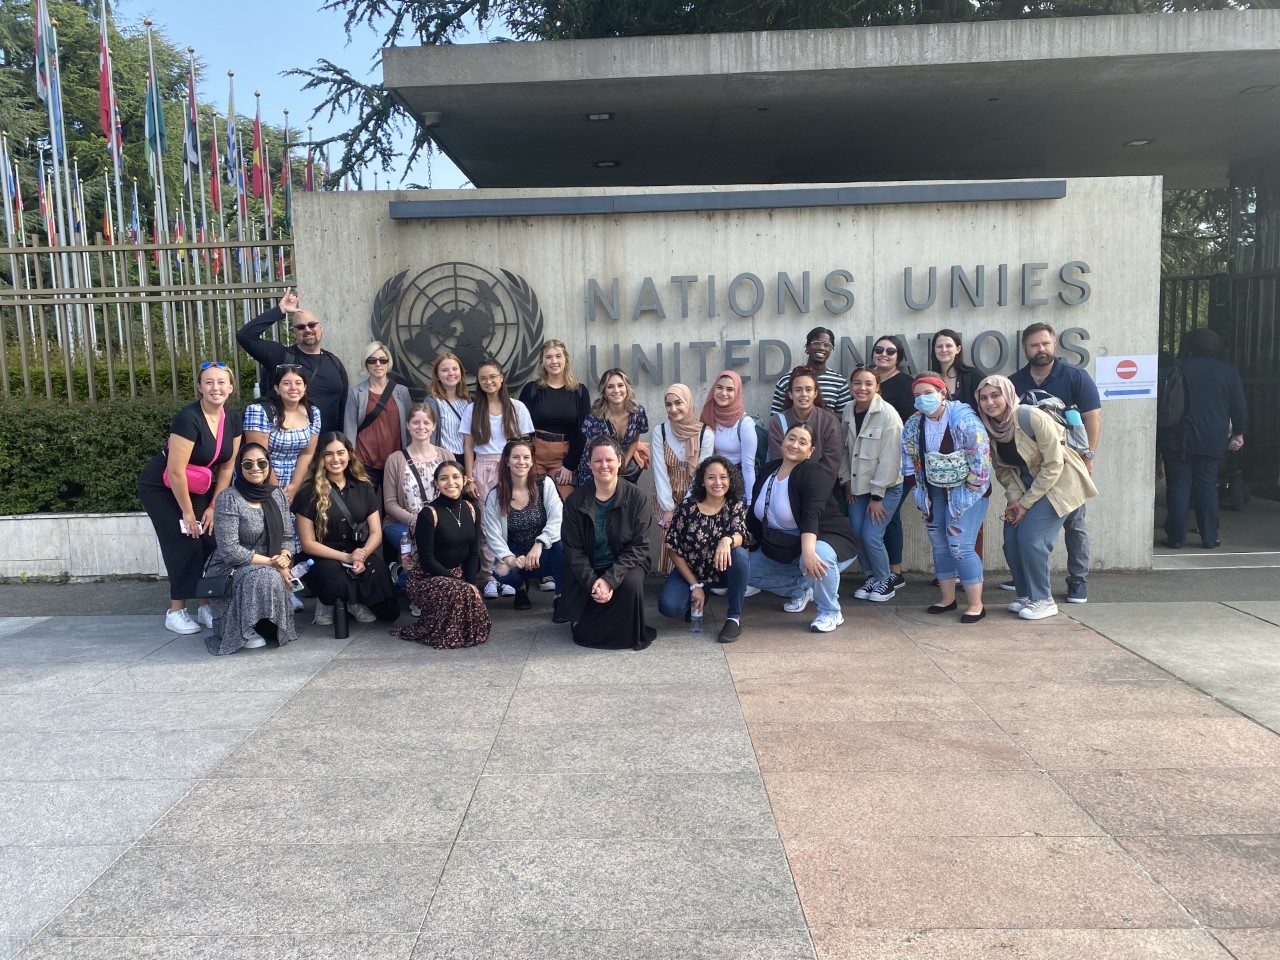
{"x": 952, "y": 539}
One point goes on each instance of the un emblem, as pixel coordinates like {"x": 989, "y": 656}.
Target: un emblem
{"x": 462, "y": 309}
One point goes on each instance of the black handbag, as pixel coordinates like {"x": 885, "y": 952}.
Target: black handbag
{"x": 778, "y": 545}
{"x": 213, "y": 588}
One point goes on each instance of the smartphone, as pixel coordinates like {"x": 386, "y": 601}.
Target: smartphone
{"x": 182, "y": 525}
{"x": 295, "y": 585}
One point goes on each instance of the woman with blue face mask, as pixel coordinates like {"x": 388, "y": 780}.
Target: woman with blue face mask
{"x": 946, "y": 463}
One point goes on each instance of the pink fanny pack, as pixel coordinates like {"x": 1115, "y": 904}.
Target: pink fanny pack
{"x": 200, "y": 479}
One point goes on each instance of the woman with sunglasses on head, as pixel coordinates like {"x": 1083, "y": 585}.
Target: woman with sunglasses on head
{"x": 887, "y": 357}
{"x": 256, "y": 546}
{"x": 521, "y": 520}
{"x": 946, "y": 359}
{"x": 287, "y": 423}
{"x": 804, "y": 403}
{"x": 558, "y": 404}
{"x": 178, "y": 486}
{"x": 442, "y": 584}
{"x": 871, "y": 472}
{"x": 448, "y": 397}
{"x": 340, "y": 528}
{"x": 946, "y": 463}
{"x": 488, "y": 424}
{"x": 679, "y": 446}
{"x": 616, "y": 413}
{"x": 376, "y": 412}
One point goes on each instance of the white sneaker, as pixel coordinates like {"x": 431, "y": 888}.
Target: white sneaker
{"x": 253, "y": 640}
{"x": 510, "y": 591}
{"x": 547, "y": 585}
{"x": 826, "y": 622}
{"x": 324, "y": 615}
{"x": 179, "y": 621}
{"x": 797, "y": 604}
{"x": 294, "y": 601}
{"x": 864, "y": 591}
{"x": 1039, "y": 609}
{"x": 204, "y": 616}
{"x": 720, "y": 591}
{"x": 415, "y": 610}
{"x": 362, "y": 613}
{"x": 1017, "y": 605}
{"x": 751, "y": 591}
{"x": 491, "y": 590}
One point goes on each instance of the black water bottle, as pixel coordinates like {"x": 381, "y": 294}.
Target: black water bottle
{"x": 340, "y": 630}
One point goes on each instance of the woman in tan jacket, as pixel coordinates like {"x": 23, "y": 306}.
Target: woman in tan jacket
{"x": 1044, "y": 480}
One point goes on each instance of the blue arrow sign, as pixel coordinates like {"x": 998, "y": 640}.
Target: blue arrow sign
{"x": 1140, "y": 392}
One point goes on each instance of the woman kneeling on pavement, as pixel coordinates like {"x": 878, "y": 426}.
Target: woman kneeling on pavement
{"x": 803, "y": 536}
{"x": 442, "y": 584}
{"x": 340, "y": 528}
{"x": 606, "y": 555}
{"x": 521, "y": 522}
{"x": 254, "y": 530}
{"x": 706, "y": 541}
{"x": 1044, "y": 480}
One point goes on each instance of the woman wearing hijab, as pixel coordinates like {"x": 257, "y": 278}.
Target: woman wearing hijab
{"x": 679, "y": 445}
{"x": 735, "y": 431}
{"x": 256, "y": 544}
{"x": 1044, "y": 480}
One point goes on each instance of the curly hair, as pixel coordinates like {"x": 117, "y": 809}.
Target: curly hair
{"x": 318, "y": 479}
{"x": 698, "y": 489}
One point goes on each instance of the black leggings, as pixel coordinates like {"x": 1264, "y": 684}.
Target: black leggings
{"x": 184, "y": 557}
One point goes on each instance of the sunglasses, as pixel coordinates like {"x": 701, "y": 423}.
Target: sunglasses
{"x": 886, "y": 351}
{"x": 253, "y": 464}
{"x": 376, "y": 360}
{"x": 289, "y": 367}
{"x": 307, "y": 326}
{"x": 212, "y": 363}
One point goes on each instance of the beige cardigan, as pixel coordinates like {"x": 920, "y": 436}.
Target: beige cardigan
{"x": 1057, "y": 471}
{"x": 871, "y": 461}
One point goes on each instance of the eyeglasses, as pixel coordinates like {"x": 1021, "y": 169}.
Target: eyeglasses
{"x": 377, "y": 360}
{"x": 820, "y": 343}
{"x": 212, "y": 363}
{"x": 289, "y": 367}
{"x": 307, "y": 326}
{"x": 494, "y": 379}
{"x": 254, "y": 464}
{"x": 886, "y": 351}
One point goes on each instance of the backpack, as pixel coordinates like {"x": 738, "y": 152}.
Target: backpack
{"x": 1171, "y": 400}
{"x": 762, "y": 443}
{"x": 1076, "y": 437}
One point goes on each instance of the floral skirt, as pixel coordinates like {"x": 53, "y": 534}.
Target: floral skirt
{"x": 453, "y": 615}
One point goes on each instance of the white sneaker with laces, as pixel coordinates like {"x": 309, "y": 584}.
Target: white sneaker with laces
{"x": 826, "y": 622}
{"x": 1017, "y": 605}
{"x": 1039, "y": 609}
{"x": 864, "y": 591}
{"x": 179, "y": 621}
{"x": 362, "y": 613}
{"x": 491, "y": 590}
{"x": 751, "y": 591}
{"x": 204, "y": 616}
{"x": 547, "y": 585}
{"x": 508, "y": 590}
{"x": 324, "y": 615}
{"x": 797, "y": 604}
{"x": 253, "y": 640}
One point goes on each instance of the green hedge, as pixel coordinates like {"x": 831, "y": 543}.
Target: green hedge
{"x": 84, "y": 458}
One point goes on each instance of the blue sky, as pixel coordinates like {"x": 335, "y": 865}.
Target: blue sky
{"x": 259, "y": 39}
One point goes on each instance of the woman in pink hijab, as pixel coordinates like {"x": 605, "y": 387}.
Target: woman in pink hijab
{"x": 735, "y": 432}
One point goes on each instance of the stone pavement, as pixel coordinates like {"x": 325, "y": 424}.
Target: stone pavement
{"x": 904, "y": 788}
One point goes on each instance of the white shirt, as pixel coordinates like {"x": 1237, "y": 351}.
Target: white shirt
{"x": 737, "y": 444}
{"x": 664, "y": 437}
{"x": 933, "y": 431}
{"x": 497, "y": 439}
{"x": 777, "y": 493}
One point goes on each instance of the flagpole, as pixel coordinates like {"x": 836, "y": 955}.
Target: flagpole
{"x": 156, "y": 167}
{"x": 115, "y": 267}
{"x": 202, "y": 236}
{"x": 114, "y": 138}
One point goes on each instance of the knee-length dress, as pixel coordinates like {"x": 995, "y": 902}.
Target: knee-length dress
{"x": 329, "y": 578}
{"x": 257, "y": 592}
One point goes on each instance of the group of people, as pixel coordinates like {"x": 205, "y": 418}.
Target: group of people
{"x": 473, "y": 497}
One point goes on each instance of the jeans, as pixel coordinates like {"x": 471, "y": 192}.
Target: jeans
{"x": 549, "y": 565}
{"x": 1077, "y": 539}
{"x": 392, "y": 532}
{"x": 893, "y": 534}
{"x": 1191, "y": 482}
{"x": 788, "y": 580}
{"x": 674, "y": 600}
{"x": 953, "y": 555}
{"x": 871, "y": 534}
{"x": 1027, "y": 547}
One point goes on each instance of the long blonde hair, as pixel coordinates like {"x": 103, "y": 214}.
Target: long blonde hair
{"x": 600, "y": 407}
{"x": 570, "y": 381}
{"x": 318, "y": 479}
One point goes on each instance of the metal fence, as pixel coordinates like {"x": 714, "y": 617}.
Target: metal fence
{"x": 83, "y": 324}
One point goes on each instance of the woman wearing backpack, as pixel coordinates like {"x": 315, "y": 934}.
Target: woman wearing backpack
{"x": 735, "y": 431}
{"x": 1044, "y": 480}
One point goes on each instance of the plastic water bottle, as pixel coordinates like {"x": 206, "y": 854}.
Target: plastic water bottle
{"x": 695, "y": 621}
{"x": 300, "y": 570}
{"x": 406, "y": 551}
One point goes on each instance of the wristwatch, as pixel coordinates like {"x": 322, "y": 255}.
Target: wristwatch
{"x": 1087, "y": 454}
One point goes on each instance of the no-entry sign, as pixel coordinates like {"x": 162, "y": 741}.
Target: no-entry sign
{"x": 1127, "y": 378}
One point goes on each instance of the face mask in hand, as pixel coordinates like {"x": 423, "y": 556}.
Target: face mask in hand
{"x": 928, "y": 403}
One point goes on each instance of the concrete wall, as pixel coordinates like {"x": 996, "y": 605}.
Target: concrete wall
{"x": 348, "y": 247}
{"x": 79, "y": 545}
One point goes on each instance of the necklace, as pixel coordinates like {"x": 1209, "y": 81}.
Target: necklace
{"x": 456, "y": 514}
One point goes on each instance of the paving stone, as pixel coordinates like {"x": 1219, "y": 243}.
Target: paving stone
{"x": 387, "y": 647}
{"x": 1001, "y": 666}
{"x": 102, "y": 630}
{"x": 1027, "y": 701}
{"x": 86, "y": 812}
{"x": 9, "y": 946}
{"x": 1251, "y": 944}
{"x": 1178, "y": 802}
{"x": 617, "y": 703}
{"x": 765, "y": 701}
{"x": 325, "y": 947}
{"x": 894, "y": 746}
{"x": 53, "y": 680}
{"x": 610, "y": 884}
{"x": 415, "y": 710}
{"x": 608, "y": 945}
{"x": 843, "y": 943}
{"x": 976, "y": 882}
{"x": 339, "y": 810}
{"x": 22, "y": 713}
{"x": 309, "y": 645}
{"x": 1148, "y": 742}
{"x": 10, "y": 625}
{"x": 209, "y": 890}
{"x": 160, "y": 711}
{"x": 1222, "y": 881}
{"x": 413, "y": 675}
{"x": 36, "y": 882}
{"x": 644, "y": 747}
{"x": 625, "y": 666}
{"x": 936, "y": 804}
{"x": 1268, "y": 610}
{"x": 242, "y": 672}
{"x": 606, "y": 806}
{"x": 1015, "y": 637}
{"x": 802, "y": 666}
{"x": 114, "y": 754}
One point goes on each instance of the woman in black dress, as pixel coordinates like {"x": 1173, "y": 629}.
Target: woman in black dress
{"x": 442, "y": 584}
{"x": 606, "y": 555}
{"x": 178, "y": 486}
{"x": 343, "y": 543}
{"x": 558, "y": 404}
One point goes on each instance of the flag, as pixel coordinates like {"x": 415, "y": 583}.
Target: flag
{"x": 135, "y": 227}
{"x": 46, "y": 211}
{"x": 307, "y": 183}
{"x": 47, "y": 83}
{"x": 77, "y": 220}
{"x": 191, "y": 135}
{"x": 108, "y": 233}
{"x": 268, "y": 201}
{"x": 154, "y": 119}
{"x": 233, "y": 146}
{"x": 179, "y": 236}
{"x": 108, "y": 110}
{"x": 17, "y": 189}
{"x": 155, "y": 231}
{"x": 215, "y": 173}
{"x": 257, "y": 168}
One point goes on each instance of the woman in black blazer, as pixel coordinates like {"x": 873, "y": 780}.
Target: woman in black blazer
{"x": 802, "y": 537}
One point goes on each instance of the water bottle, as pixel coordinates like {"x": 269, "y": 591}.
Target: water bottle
{"x": 695, "y": 621}
{"x": 340, "y": 629}
{"x": 300, "y": 570}
{"x": 1073, "y": 417}
{"x": 406, "y": 551}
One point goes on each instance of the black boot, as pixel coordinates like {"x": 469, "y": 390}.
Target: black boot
{"x": 522, "y": 599}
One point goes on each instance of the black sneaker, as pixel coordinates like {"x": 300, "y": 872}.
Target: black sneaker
{"x": 730, "y": 631}
{"x": 881, "y": 591}
{"x": 522, "y": 601}
{"x": 556, "y": 615}
{"x": 896, "y": 581}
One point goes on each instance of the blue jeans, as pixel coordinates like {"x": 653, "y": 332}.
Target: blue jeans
{"x": 674, "y": 600}
{"x": 1191, "y": 482}
{"x": 893, "y": 535}
{"x": 392, "y": 532}
{"x": 548, "y": 566}
{"x": 1027, "y": 547}
{"x": 952, "y": 540}
{"x": 788, "y": 580}
{"x": 871, "y": 535}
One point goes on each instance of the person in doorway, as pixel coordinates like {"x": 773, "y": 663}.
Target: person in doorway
{"x": 325, "y": 375}
{"x": 1075, "y": 388}
{"x": 376, "y": 412}
{"x": 819, "y": 345}
{"x": 805, "y": 403}
{"x": 887, "y": 356}
{"x": 1214, "y": 422}
{"x": 558, "y": 404}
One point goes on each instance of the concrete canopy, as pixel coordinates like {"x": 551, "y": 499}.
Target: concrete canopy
{"x": 1028, "y": 98}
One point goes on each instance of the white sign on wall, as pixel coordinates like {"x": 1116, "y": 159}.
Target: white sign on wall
{"x": 1127, "y": 378}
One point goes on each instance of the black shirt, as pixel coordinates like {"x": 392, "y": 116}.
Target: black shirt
{"x": 897, "y": 393}
{"x": 361, "y": 500}
{"x": 449, "y": 539}
{"x": 189, "y": 423}
{"x": 559, "y": 410}
{"x": 325, "y": 375}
